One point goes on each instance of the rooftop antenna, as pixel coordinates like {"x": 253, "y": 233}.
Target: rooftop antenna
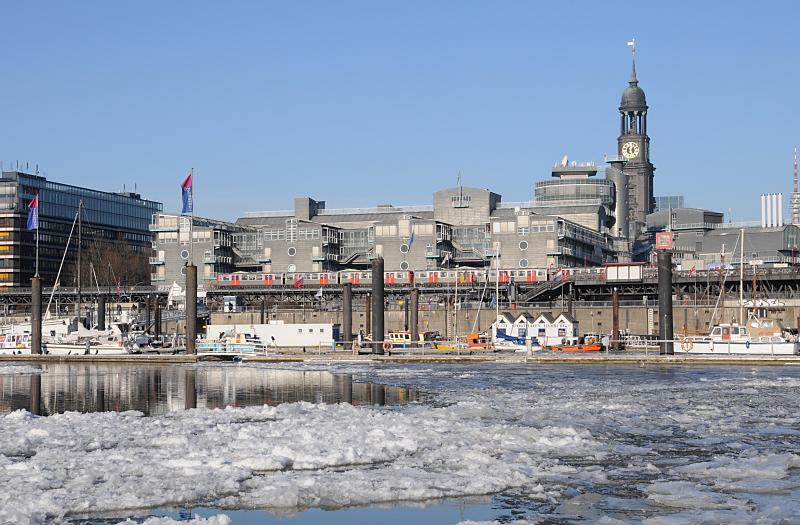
{"x": 795, "y": 194}
{"x": 565, "y": 161}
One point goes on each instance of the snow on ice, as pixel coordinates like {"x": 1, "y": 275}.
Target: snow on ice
{"x": 575, "y": 443}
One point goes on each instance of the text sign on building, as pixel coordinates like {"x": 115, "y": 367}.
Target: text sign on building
{"x": 664, "y": 241}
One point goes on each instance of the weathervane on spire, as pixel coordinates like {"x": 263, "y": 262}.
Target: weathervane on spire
{"x": 632, "y": 44}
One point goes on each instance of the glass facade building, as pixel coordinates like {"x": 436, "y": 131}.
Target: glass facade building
{"x": 110, "y": 221}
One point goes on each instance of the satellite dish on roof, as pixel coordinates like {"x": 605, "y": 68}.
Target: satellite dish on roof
{"x": 565, "y": 161}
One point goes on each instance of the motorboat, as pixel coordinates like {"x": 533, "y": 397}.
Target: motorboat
{"x": 505, "y": 342}
{"x": 576, "y": 345}
{"x": 231, "y": 345}
{"x": 758, "y": 337}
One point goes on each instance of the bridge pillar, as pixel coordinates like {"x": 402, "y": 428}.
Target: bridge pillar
{"x": 36, "y": 315}
{"x": 665, "y": 333}
{"x": 347, "y": 313}
{"x": 191, "y": 309}
{"x": 101, "y": 312}
{"x": 377, "y": 305}
{"x": 414, "y": 299}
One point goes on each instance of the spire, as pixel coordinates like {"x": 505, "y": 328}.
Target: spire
{"x": 632, "y": 43}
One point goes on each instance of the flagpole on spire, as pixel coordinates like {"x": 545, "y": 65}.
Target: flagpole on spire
{"x": 632, "y": 44}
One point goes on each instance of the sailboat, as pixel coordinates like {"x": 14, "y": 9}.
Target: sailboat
{"x": 757, "y": 336}
{"x": 58, "y": 337}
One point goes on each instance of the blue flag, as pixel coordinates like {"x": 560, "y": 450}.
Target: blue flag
{"x": 33, "y": 214}
{"x": 186, "y": 193}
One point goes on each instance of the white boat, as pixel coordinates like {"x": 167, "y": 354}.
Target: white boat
{"x": 231, "y": 345}
{"x": 759, "y": 337}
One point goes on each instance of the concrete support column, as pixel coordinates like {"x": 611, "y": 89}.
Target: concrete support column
{"x": 368, "y": 315}
{"x": 36, "y": 315}
{"x": 378, "y": 332}
{"x": 191, "y": 309}
{"x": 615, "y": 320}
{"x": 264, "y": 309}
{"x": 347, "y": 313}
{"x": 406, "y": 320}
{"x": 101, "y": 312}
{"x": 414, "y": 298}
{"x": 665, "y": 333}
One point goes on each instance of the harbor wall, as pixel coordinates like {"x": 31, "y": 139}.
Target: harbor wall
{"x": 636, "y": 320}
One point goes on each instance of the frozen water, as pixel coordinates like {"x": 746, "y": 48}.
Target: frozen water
{"x": 557, "y": 443}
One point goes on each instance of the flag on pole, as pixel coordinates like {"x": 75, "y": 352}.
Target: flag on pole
{"x": 186, "y": 193}
{"x": 33, "y": 213}
{"x": 692, "y": 271}
{"x": 318, "y": 294}
{"x": 411, "y": 239}
{"x": 632, "y": 42}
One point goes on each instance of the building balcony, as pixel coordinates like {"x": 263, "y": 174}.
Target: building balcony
{"x": 156, "y": 260}
{"x": 210, "y": 259}
{"x": 155, "y": 278}
{"x": 263, "y": 259}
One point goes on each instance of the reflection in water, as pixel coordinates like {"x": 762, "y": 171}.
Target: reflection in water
{"x": 159, "y": 389}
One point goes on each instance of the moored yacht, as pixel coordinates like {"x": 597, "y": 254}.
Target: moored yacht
{"x": 758, "y": 337}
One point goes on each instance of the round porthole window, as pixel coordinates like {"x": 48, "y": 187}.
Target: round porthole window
{"x": 291, "y": 268}
{"x": 183, "y": 270}
{"x": 404, "y": 248}
{"x": 292, "y": 251}
{"x": 523, "y": 263}
{"x": 523, "y": 245}
{"x": 185, "y": 255}
{"x": 404, "y": 266}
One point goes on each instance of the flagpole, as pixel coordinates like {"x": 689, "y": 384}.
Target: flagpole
{"x": 191, "y": 221}
{"x": 37, "y": 235}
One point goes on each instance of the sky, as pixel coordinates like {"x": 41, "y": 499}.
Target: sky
{"x": 366, "y": 103}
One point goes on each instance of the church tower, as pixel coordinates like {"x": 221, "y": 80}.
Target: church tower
{"x": 633, "y": 145}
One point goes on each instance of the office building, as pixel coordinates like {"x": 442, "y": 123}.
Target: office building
{"x": 114, "y": 233}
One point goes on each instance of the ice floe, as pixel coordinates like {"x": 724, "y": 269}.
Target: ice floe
{"x": 570, "y": 443}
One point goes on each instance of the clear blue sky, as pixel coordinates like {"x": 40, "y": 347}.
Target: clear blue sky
{"x": 363, "y": 103}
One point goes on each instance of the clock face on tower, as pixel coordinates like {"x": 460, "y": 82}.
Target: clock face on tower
{"x": 630, "y": 150}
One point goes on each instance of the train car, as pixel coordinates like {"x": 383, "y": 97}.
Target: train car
{"x": 529, "y": 275}
{"x": 303, "y": 279}
{"x": 248, "y": 279}
{"x": 398, "y": 278}
{"x": 355, "y": 277}
{"x": 504, "y": 276}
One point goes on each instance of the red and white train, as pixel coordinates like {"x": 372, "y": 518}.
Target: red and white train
{"x": 449, "y": 277}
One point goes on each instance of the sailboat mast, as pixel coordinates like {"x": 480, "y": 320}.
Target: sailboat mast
{"x": 741, "y": 278}
{"x": 80, "y": 247}
{"x": 722, "y": 286}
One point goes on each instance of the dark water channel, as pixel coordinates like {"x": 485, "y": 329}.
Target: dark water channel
{"x": 158, "y": 389}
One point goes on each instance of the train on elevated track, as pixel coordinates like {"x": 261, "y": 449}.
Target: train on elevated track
{"x": 631, "y": 272}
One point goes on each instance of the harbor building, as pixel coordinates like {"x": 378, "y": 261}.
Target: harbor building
{"x": 465, "y": 227}
{"x": 701, "y": 238}
{"x": 208, "y": 243}
{"x": 114, "y": 233}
